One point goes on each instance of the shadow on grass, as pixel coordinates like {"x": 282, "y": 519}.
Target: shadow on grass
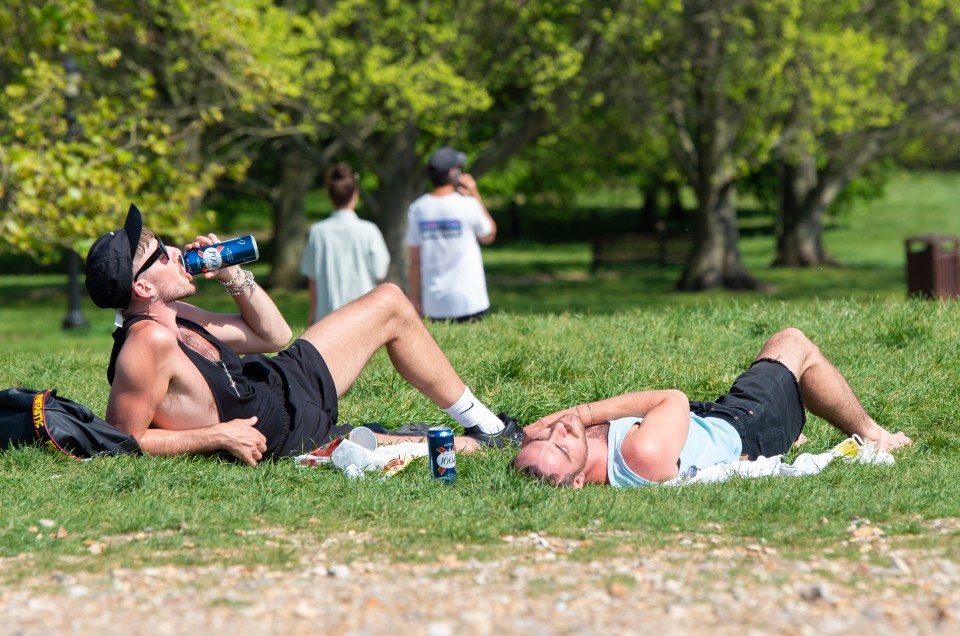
{"x": 556, "y": 285}
{"x": 48, "y": 289}
{"x": 652, "y": 287}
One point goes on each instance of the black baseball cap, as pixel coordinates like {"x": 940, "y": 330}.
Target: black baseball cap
{"x": 110, "y": 263}
{"x": 446, "y": 158}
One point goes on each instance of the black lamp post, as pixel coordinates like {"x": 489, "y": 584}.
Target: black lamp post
{"x": 74, "y": 317}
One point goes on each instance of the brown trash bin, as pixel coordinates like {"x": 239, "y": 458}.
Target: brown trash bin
{"x": 933, "y": 266}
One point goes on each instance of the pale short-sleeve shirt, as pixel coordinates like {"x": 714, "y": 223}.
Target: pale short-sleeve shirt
{"x": 711, "y": 440}
{"x": 345, "y": 256}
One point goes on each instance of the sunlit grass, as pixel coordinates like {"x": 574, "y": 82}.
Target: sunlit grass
{"x": 557, "y": 336}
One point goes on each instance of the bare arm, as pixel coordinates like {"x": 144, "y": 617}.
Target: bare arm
{"x": 380, "y": 258}
{"x": 237, "y": 437}
{"x": 413, "y": 280}
{"x": 136, "y": 395}
{"x": 464, "y": 445}
{"x": 311, "y": 317}
{"x": 634, "y": 404}
{"x": 652, "y": 450}
{"x": 258, "y": 328}
{"x": 467, "y": 185}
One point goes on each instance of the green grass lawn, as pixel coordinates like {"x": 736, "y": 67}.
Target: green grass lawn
{"x": 867, "y": 241}
{"x": 551, "y": 344}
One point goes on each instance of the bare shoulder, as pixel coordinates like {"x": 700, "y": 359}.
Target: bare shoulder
{"x": 145, "y": 368}
{"x": 148, "y": 343}
{"x": 150, "y": 333}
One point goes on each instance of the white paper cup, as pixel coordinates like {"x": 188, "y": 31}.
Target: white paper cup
{"x": 363, "y": 437}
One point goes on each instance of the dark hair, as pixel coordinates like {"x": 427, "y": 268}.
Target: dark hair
{"x": 341, "y": 184}
{"x": 534, "y": 472}
{"x": 438, "y": 178}
{"x": 145, "y": 236}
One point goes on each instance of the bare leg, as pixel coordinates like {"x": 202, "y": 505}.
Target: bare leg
{"x": 826, "y": 392}
{"x": 349, "y": 337}
{"x": 465, "y": 445}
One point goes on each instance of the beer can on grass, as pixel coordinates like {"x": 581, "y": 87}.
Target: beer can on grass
{"x": 238, "y": 251}
{"x": 443, "y": 460}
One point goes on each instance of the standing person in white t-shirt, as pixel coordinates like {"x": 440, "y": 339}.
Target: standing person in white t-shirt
{"x": 444, "y": 232}
{"x": 346, "y": 256}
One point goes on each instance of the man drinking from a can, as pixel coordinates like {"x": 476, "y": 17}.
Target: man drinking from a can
{"x": 179, "y": 385}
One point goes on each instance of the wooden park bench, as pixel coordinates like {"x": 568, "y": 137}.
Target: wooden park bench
{"x": 652, "y": 247}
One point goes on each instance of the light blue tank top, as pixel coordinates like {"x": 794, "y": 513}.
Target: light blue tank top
{"x": 711, "y": 440}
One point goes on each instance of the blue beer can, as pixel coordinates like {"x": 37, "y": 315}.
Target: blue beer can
{"x": 238, "y": 251}
{"x": 443, "y": 459}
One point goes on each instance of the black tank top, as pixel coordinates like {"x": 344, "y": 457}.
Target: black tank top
{"x": 241, "y": 388}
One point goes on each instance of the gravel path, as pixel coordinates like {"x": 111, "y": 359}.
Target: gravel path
{"x": 696, "y": 585}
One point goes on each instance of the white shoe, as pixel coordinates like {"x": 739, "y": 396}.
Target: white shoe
{"x": 854, "y": 449}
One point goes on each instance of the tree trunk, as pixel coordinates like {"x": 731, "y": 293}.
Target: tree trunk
{"x": 715, "y": 260}
{"x": 297, "y": 174}
{"x": 675, "y": 209}
{"x": 802, "y": 206}
{"x": 650, "y": 211}
{"x": 806, "y": 194}
{"x": 401, "y": 177}
{"x": 514, "y": 221}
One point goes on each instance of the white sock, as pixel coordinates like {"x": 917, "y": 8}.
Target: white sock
{"x": 469, "y": 411}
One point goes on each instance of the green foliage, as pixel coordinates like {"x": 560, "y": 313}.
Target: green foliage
{"x": 717, "y": 74}
{"x": 547, "y": 98}
{"x": 61, "y": 186}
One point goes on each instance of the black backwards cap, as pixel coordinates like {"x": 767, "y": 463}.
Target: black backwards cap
{"x": 442, "y": 160}
{"x": 110, "y": 264}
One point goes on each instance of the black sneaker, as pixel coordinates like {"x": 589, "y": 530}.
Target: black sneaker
{"x": 416, "y": 429}
{"x": 509, "y": 436}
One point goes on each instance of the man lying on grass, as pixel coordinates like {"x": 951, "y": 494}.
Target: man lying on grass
{"x": 645, "y": 437}
{"x": 179, "y": 385}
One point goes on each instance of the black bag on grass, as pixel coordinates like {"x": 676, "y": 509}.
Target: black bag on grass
{"x": 28, "y": 416}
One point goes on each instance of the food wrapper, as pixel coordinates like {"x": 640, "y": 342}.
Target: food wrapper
{"x": 327, "y": 449}
{"x": 395, "y": 465}
{"x": 310, "y": 460}
{"x": 319, "y": 456}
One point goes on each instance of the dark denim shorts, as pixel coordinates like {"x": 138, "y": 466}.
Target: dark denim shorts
{"x": 764, "y": 405}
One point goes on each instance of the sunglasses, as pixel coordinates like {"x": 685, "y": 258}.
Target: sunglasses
{"x": 153, "y": 258}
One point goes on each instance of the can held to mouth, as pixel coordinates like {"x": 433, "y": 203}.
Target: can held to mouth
{"x": 443, "y": 459}
{"x": 238, "y": 251}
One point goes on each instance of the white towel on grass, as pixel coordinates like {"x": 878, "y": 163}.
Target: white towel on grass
{"x": 804, "y": 464}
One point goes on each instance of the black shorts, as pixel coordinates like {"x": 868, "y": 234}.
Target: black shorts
{"x": 310, "y": 396}
{"x": 764, "y": 405}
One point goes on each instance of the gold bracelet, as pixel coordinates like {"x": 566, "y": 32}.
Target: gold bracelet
{"x": 589, "y": 408}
